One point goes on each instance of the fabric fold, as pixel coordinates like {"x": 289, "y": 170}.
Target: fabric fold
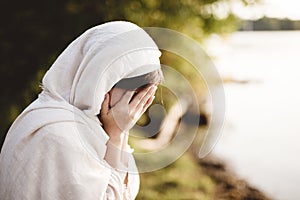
{"x": 55, "y": 148}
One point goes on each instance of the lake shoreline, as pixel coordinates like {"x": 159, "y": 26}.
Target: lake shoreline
{"x": 228, "y": 185}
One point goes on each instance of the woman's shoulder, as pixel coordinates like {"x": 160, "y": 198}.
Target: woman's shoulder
{"x": 75, "y": 135}
{"x": 59, "y": 132}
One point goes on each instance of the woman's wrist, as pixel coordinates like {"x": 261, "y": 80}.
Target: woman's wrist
{"x": 116, "y": 137}
{"x": 116, "y": 141}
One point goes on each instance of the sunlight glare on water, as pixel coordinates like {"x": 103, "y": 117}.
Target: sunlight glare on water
{"x": 261, "y": 135}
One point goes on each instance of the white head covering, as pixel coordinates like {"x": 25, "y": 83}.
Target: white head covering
{"x": 73, "y": 91}
{"x": 97, "y": 60}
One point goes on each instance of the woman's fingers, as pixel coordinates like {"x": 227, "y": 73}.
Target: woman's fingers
{"x": 144, "y": 103}
{"x": 124, "y": 114}
{"x": 141, "y": 108}
{"x": 105, "y": 105}
{"x": 127, "y": 96}
{"x": 149, "y": 102}
{"x": 136, "y": 100}
{"x": 142, "y": 97}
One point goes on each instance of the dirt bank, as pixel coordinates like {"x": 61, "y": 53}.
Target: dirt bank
{"x": 228, "y": 185}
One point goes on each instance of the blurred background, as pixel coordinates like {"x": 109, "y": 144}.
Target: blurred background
{"x": 254, "y": 45}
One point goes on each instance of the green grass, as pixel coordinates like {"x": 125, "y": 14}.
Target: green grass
{"x": 183, "y": 179}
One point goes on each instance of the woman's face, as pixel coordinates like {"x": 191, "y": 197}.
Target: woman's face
{"x": 115, "y": 95}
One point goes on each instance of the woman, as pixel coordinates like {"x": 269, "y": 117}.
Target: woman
{"x": 71, "y": 142}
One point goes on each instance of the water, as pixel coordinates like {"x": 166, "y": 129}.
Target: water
{"x": 261, "y": 136}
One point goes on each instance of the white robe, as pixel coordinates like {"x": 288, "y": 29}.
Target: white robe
{"x": 55, "y": 148}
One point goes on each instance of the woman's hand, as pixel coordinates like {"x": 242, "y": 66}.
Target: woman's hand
{"x": 124, "y": 114}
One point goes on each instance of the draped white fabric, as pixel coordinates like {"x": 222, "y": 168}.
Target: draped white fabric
{"x": 55, "y": 148}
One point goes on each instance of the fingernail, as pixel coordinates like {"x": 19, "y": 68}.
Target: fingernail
{"x": 154, "y": 87}
{"x": 152, "y": 99}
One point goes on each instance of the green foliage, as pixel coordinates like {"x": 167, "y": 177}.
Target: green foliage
{"x": 33, "y": 33}
{"x": 183, "y": 179}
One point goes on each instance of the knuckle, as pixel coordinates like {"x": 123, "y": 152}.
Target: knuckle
{"x": 132, "y": 116}
{"x": 140, "y": 97}
{"x": 144, "y": 101}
